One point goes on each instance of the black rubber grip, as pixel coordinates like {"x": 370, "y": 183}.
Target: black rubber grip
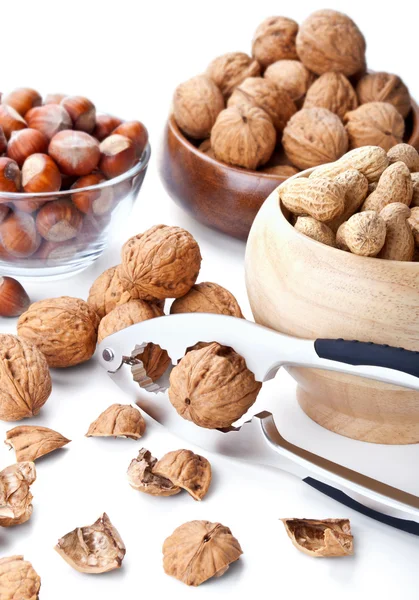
{"x": 367, "y": 353}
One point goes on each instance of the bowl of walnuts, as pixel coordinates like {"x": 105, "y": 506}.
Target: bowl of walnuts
{"x": 68, "y": 178}
{"x": 303, "y": 98}
{"x": 333, "y": 253}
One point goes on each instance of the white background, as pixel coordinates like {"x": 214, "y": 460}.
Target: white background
{"x": 128, "y": 57}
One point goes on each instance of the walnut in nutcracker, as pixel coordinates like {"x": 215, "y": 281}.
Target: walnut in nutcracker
{"x": 229, "y": 70}
{"x": 196, "y": 104}
{"x": 384, "y": 87}
{"x": 207, "y": 297}
{"x": 274, "y": 40}
{"x": 334, "y": 92}
{"x": 374, "y": 124}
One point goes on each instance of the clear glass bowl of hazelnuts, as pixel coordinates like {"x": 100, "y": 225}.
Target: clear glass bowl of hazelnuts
{"x": 68, "y": 176}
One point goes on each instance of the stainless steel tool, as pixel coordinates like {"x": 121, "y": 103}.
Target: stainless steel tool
{"x": 258, "y": 440}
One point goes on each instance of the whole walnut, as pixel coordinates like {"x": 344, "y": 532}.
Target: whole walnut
{"x": 107, "y": 292}
{"x": 229, "y": 70}
{"x": 374, "y": 124}
{"x": 64, "y": 329}
{"x": 196, "y": 104}
{"x": 280, "y": 170}
{"x": 264, "y": 94}
{"x": 25, "y": 382}
{"x": 330, "y": 41}
{"x": 243, "y": 136}
{"x": 163, "y": 262}
{"x": 212, "y": 386}
{"x": 207, "y": 297}
{"x": 291, "y": 76}
{"x": 205, "y": 147}
{"x": 384, "y": 87}
{"x": 334, "y": 92}
{"x": 199, "y": 550}
{"x": 314, "y": 136}
{"x": 274, "y": 40}
{"x": 18, "y": 579}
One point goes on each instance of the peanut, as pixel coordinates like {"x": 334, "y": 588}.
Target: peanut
{"x": 399, "y": 244}
{"x": 394, "y": 185}
{"x": 369, "y": 160}
{"x": 363, "y": 234}
{"x": 316, "y": 230}
{"x": 322, "y": 199}
{"x": 407, "y": 154}
{"x": 413, "y": 221}
{"x": 355, "y": 185}
{"x": 415, "y": 197}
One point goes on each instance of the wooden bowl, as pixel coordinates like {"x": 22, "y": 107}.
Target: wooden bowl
{"x": 218, "y": 195}
{"x": 303, "y": 288}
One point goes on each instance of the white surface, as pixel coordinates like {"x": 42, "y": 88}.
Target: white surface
{"x": 128, "y": 57}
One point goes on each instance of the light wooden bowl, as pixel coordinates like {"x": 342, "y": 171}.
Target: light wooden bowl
{"x": 303, "y": 288}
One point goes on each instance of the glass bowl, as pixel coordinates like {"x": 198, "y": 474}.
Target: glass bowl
{"x": 46, "y": 235}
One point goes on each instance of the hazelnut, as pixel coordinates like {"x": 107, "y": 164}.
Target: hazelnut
{"x": 22, "y": 100}
{"x": 208, "y": 298}
{"x": 18, "y": 578}
{"x": 314, "y": 136}
{"x": 96, "y": 202}
{"x": 59, "y": 221}
{"x": 54, "y": 98}
{"x": 330, "y": 41}
{"x": 10, "y": 177}
{"x": 243, "y": 135}
{"x": 49, "y": 119}
{"x": 274, "y": 40}
{"x": 326, "y": 538}
{"x": 142, "y": 478}
{"x": 384, "y": 87}
{"x": 10, "y": 120}
{"x": 19, "y": 236}
{"x": 16, "y": 497}
{"x": 53, "y": 253}
{"x": 119, "y": 420}
{"x": 229, "y": 70}
{"x": 374, "y": 124}
{"x": 196, "y": 105}
{"x": 264, "y": 94}
{"x": 107, "y": 292}
{"x": 75, "y": 152}
{"x": 105, "y": 124}
{"x": 186, "y": 470}
{"x": 212, "y": 386}
{"x": 3, "y": 142}
{"x": 117, "y": 155}
{"x": 40, "y": 174}
{"x": 334, "y": 92}
{"x": 136, "y": 132}
{"x": 82, "y": 112}
{"x": 25, "y": 142}
{"x": 13, "y": 298}
{"x": 291, "y": 76}
{"x": 64, "y": 329}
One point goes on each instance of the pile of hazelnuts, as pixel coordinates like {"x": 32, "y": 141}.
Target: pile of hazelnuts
{"x": 56, "y": 144}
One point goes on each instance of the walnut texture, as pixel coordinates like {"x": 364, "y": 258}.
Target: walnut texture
{"x": 25, "y": 382}
{"x": 196, "y": 104}
{"x": 325, "y": 538}
{"x": 186, "y": 470}
{"x": 141, "y": 476}
{"x": 207, "y": 297}
{"x": 18, "y": 579}
{"x": 374, "y": 124}
{"x": 96, "y": 548}
{"x": 291, "y": 76}
{"x": 64, "y": 329}
{"x": 229, "y": 70}
{"x": 199, "y": 550}
{"x": 107, "y": 293}
{"x": 163, "y": 262}
{"x": 384, "y": 87}
{"x": 119, "y": 420}
{"x": 274, "y": 40}
{"x": 33, "y": 441}
{"x": 15, "y": 495}
{"x": 212, "y": 386}
{"x": 334, "y": 92}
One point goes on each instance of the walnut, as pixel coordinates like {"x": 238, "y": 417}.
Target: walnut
{"x": 163, "y": 262}
{"x": 291, "y": 76}
{"x": 205, "y": 148}
{"x": 243, "y": 136}
{"x": 374, "y": 124}
{"x": 18, "y": 579}
{"x": 326, "y": 538}
{"x": 405, "y": 153}
{"x": 264, "y": 94}
{"x": 207, "y": 297}
{"x": 32, "y": 442}
{"x": 314, "y": 136}
{"x": 187, "y": 470}
{"x": 212, "y": 386}
{"x": 107, "y": 292}
{"x": 330, "y": 41}
{"x": 229, "y": 70}
{"x": 64, "y": 329}
{"x": 119, "y": 420}
{"x": 274, "y": 40}
{"x": 199, "y": 550}
{"x": 25, "y": 382}
{"x": 15, "y": 496}
{"x": 384, "y": 87}
{"x": 334, "y": 92}
{"x": 96, "y": 548}
{"x": 141, "y": 476}
{"x": 281, "y": 170}
{"x": 196, "y": 104}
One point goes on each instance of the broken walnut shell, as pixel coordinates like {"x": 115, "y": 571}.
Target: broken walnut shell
{"x": 229, "y": 70}
{"x": 186, "y": 470}
{"x": 119, "y": 420}
{"x": 199, "y": 550}
{"x": 18, "y": 579}
{"x": 107, "y": 292}
{"x": 96, "y": 548}
{"x": 15, "y": 496}
{"x": 207, "y": 297}
{"x": 32, "y": 441}
{"x": 323, "y": 538}
{"x": 141, "y": 476}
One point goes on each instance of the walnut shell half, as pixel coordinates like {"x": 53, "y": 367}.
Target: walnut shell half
{"x": 229, "y": 70}
{"x": 141, "y": 476}
{"x": 15, "y": 496}
{"x": 374, "y": 124}
{"x": 326, "y": 538}
{"x": 384, "y": 87}
{"x": 187, "y": 470}
{"x": 18, "y": 579}
{"x": 199, "y": 550}
{"x": 119, "y": 420}
{"x": 32, "y": 441}
{"x": 207, "y": 297}
{"x": 274, "y": 40}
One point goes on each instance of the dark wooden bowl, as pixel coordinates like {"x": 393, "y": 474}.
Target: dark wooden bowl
{"x": 218, "y": 195}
